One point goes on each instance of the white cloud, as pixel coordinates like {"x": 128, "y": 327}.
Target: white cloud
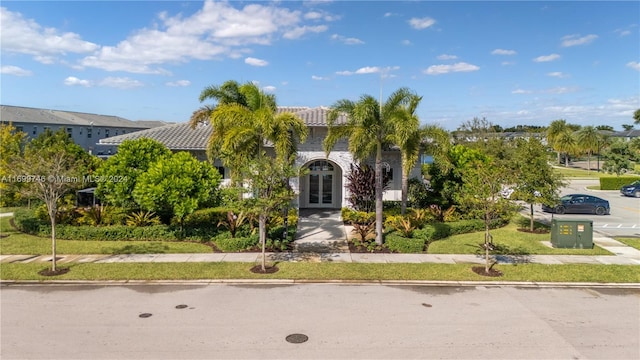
{"x": 121, "y": 82}
{"x": 574, "y": 40}
{"x": 255, "y": 62}
{"x": 558, "y": 74}
{"x": 507, "y": 63}
{"x": 179, "y": 83}
{"x": 25, "y": 36}
{"x": 521, "y": 91}
{"x": 315, "y": 77}
{"x": 389, "y": 14}
{"x": 421, "y": 23}
{"x": 15, "y": 70}
{"x": 269, "y": 88}
{"x": 563, "y": 90}
{"x": 623, "y": 32}
{"x": 446, "y": 57}
{"x": 370, "y": 70}
{"x": 547, "y": 58}
{"x": 320, "y": 15}
{"x": 503, "y": 52}
{"x": 297, "y": 32}
{"x": 347, "y": 40}
{"x": 634, "y": 65}
{"x": 444, "y": 69}
{"x": 74, "y": 81}
{"x": 406, "y": 42}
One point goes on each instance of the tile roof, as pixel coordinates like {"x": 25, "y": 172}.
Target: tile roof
{"x": 175, "y": 136}
{"x": 182, "y": 137}
{"x": 19, "y": 114}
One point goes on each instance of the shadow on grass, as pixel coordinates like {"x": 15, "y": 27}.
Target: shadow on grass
{"x": 150, "y": 248}
{"x": 504, "y": 254}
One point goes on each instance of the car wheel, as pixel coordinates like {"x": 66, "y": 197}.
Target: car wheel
{"x": 600, "y": 210}
{"x": 560, "y": 209}
{"x": 637, "y": 193}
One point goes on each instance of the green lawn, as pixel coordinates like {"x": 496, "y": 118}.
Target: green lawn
{"x": 510, "y": 240}
{"x": 633, "y": 242}
{"x": 327, "y": 271}
{"x": 23, "y": 244}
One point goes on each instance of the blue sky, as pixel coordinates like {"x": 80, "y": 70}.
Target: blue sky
{"x": 513, "y": 62}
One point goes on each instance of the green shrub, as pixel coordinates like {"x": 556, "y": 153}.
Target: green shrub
{"x": 437, "y": 231}
{"x": 27, "y": 221}
{"x": 397, "y": 243}
{"x": 206, "y": 218}
{"x": 276, "y": 232}
{"x": 112, "y": 233}
{"x": 360, "y": 217}
{"x": 226, "y": 243}
{"x": 616, "y": 182}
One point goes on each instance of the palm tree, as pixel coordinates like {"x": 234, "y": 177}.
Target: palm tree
{"x": 407, "y": 136}
{"x": 370, "y": 124}
{"x": 243, "y": 121}
{"x": 556, "y": 128}
{"x": 588, "y": 139}
{"x": 566, "y": 143}
{"x": 636, "y": 117}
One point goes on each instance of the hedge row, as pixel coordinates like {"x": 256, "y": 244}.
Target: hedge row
{"x": 616, "y": 182}
{"x": 395, "y": 242}
{"x": 226, "y": 243}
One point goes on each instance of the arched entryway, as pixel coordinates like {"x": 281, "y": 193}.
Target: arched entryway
{"x": 321, "y": 186}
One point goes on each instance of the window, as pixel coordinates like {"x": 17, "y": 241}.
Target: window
{"x": 70, "y": 131}
{"x": 387, "y": 173}
{"x": 35, "y": 130}
{"x": 89, "y": 133}
{"x": 18, "y": 128}
{"x": 321, "y": 165}
{"x": 220, "y": 170}
{"x": 106, "y": 133}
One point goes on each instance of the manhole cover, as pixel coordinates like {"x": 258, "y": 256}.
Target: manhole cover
{"x": 297, "y": 338}
{"x": 426, "y": 305}
{"x": 145, "y": 315}
{"x": 182, "y": 306}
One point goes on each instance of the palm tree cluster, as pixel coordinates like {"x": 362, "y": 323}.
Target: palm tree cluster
{"x": 567, "y": 139}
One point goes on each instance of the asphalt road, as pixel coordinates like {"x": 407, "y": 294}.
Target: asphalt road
{"x": 624, "y": 219}
{"x": 341, "y": 322}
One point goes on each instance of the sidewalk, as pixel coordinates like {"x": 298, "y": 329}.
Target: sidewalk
{"x": 623, "y": 255}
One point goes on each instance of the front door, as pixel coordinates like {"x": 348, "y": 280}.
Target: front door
{"x": 321, "y": 178}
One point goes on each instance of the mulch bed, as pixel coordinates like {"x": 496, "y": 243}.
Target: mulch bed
{"x": 49, "y": 272}
{"x": 257, "y": 269}
{"x": 492, "y": 272}
{"x": 363, "y": 249}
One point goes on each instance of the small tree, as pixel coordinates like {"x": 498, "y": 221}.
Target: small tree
{"x": 536, "y": 182}
{"x": 176, "y": 186}
{"x": 617, "y": 158}
{"x": 11, "y": 144}
{"x": 268, "y": 180}
{"x": 480, "y": 193}
{"x": 49, "y": 172}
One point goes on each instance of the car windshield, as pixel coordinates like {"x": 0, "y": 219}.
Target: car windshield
{"x": 566, "y": 198}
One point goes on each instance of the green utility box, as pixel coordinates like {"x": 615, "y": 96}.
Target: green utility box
{"x": 574, "y": 234}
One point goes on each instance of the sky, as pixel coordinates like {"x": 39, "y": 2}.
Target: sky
{"x": 511, "y": 62}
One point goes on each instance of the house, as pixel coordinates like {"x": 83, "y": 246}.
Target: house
{"x": 85, "y": 129}
{"x": 322, "y": 186}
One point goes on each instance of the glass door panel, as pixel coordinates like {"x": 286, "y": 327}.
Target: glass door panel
{"x": 327, "y": 187}
{"x": 314, "y": 188}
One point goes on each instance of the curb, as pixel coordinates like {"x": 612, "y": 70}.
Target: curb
{"x": 290, "y": 282}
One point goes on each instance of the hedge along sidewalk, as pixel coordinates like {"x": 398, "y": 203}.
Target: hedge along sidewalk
{"x": 252, "y": 257}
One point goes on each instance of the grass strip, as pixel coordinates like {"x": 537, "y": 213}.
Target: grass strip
{"x": 327, "y": 271}
{"x": 633, "y": 242}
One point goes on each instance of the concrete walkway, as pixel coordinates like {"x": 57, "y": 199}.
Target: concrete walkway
{"x": 321, "y": 237}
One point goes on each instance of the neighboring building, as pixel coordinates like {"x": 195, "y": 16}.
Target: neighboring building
{"x": 85, "y": 129}
{"x": 324, "y": 184}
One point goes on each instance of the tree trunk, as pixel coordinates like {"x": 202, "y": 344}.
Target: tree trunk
{"x": 262, "y": 224}
{"x": 379, "y": 194}
{"x": 405, "y": 188}
{"x": 566, "y": 160}
{"x": 559, "y": 162}
{"x": 53, "y": 241}
{"x": 486, "y": 249}
{"x": 531, "y": 218}
{"x": 589, "y": 162}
